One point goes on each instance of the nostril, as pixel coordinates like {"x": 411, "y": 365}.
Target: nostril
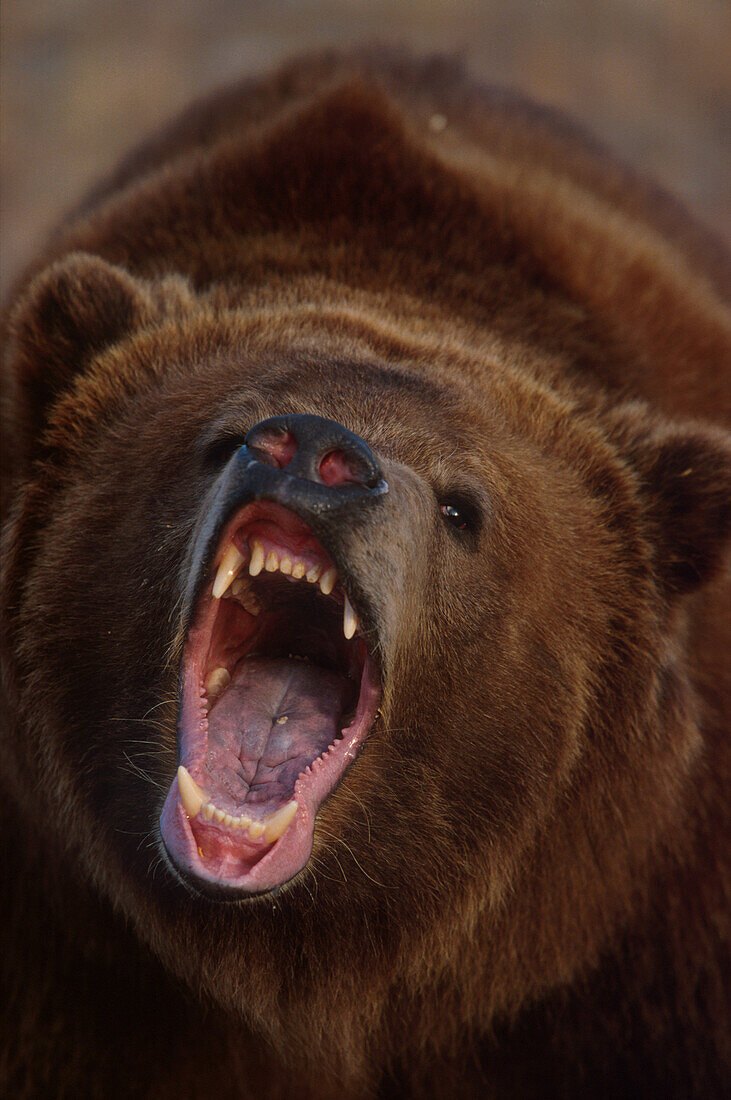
{"x": 335, "y": 469}
{"x": 275, "y": 448}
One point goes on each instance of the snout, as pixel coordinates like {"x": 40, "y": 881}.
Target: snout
{"x": 314, "y": 467}
{"x": 279, "y": 682}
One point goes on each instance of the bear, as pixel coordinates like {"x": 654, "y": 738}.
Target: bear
{"x": 365, "y": 610}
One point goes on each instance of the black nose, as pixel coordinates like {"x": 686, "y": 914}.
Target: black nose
{"x": 314, "y": 449}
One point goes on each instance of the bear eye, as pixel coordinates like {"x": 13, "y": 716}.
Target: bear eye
{"x": 455, "y": 516}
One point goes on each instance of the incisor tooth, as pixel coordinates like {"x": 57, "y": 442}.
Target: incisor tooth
{"x": 227, "y": 570}
{"x": 208, "y": 810}
{"x": 314, "y": 573}
{"x": 256, "y": 562}
{"x": 279, "y": 822}
{"x": 350, "y": 621}
{"x": 191, "y": 794}
{"x": 298, "y": 569}
{"x": 285, "y": 566}
{"x": 327, "y": 581}
{"x": 219, "y": 814}
{"x": 217, "y": 682}
{"x": 272, "y": 562}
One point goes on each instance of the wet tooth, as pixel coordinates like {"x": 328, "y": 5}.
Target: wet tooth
{"x": 285, "y": 566}
{"x": 314, "y": 573}
{"x": 298, "y": 569}
{"x": 255, "y": 829}
{"x": 349, "y": 620}
{"x": 219, "y": 814}
{"x": 279, "y": 822}
{"x": 272, "y": 562}
{"x": 327, "y": 581}
{"x": 256, "y": 564}
{"x": 191, "y": 794}
{"x": 227, "y": 570}
{"x": 217, "y": 682}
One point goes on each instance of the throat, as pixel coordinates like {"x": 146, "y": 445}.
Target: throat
{"x": 275, "y": 717}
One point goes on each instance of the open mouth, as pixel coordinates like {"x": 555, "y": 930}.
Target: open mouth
{"x": 279, "y": 691}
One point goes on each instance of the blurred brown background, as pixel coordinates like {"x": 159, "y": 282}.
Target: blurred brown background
{"x": 83, "y": 79}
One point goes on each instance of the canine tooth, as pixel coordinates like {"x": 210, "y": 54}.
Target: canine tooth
{"x": 279, "y": 822}
{"x": 255, "y": 829}
{"x": 219, "y": 814}
{"x": 327, "y": 581}
{"x": 256, "y": 562}
{"x": 350, "y": 621}
{"x": 191, "y": 794}
{"x": 314, "y": 573}
{"x": 285, "y": 566}
{"x": 217, "y": 682}
{"x": 230, "y": 564}
{"x": 272, "y": 562}
{"x": 208, "y": 811}
{"x": 298, "y": 569}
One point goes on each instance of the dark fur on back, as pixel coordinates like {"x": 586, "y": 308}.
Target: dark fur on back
{"x": 521, "y": 887}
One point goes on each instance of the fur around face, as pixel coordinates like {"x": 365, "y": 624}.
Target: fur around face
{"x": 520, "y": 888}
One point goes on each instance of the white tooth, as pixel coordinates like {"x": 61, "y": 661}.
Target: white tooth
{"x": 256, "y": 562}
{"x": 217, "y": 683}
{"x": 272, "y": 562}
{"x": 208, "y": 811}
{"x": 314, "y": 573}
{"x": 228, "y": 820}
{"x": 279, "y": 821}
{"x": 327, "y": 581}
{"x": 255, "y": 829}
{"x": 227, "y": 570}
{"x": 298, "y": 569}
{"x": 285, "y": 566}
{"x": 191, "y": 794}
{"x": 350, "y": 621}
{"x": 219, "y": 814}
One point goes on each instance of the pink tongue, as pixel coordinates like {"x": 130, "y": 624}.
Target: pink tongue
{"x": 275, "y": 718}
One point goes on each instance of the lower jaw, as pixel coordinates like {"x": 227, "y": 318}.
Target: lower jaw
{"x": 227, "y": 865}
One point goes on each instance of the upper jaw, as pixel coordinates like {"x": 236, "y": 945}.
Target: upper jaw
{"x": 215, "y": 841}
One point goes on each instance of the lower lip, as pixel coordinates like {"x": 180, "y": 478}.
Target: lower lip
{"x": 288, "y": 855}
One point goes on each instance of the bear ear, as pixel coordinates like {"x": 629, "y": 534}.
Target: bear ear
{"x": 69, "y": 314}
{"x": 686, "y": 475}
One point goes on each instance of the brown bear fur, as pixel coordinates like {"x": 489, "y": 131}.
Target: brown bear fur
{"x": 521, "y": 888}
